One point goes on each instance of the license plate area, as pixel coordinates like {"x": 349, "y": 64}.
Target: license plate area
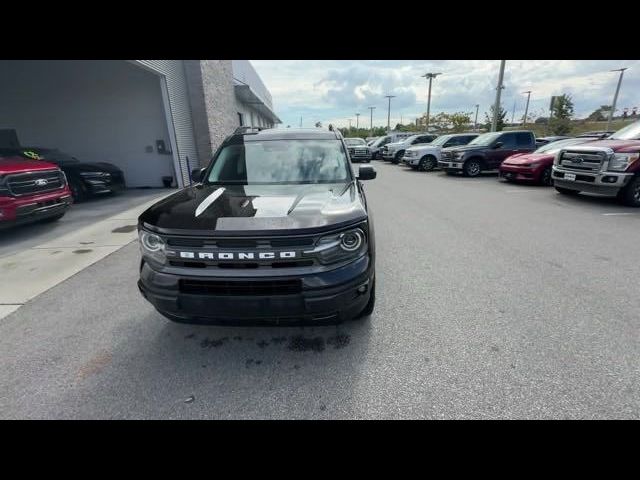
{"x": 570, "y": 176}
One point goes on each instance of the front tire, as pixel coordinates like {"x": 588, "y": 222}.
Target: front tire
{"x": 427, "y": 163}
{"x": 545, "y": 177}
{"x": 472, "y": 168}
{"x": 77, "y": 191}
{"x": 398, "y": 157}
{"x": 630, "y": 195}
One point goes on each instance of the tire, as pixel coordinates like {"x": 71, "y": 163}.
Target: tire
{"x": 77, "y": 191}
{"x": 368, "y": 309}
{"x": 630, "y": 195}
{"x": 427, "y": 163}
{"x": 397, "y": 157}
{"x": 545, "y": 177}
{"x": 567, "y": 191}
{"x": 472, "y": 168}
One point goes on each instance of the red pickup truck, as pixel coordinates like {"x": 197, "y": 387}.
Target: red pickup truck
{"x": 607, "y": 167}
{"x": 30, "y": 191}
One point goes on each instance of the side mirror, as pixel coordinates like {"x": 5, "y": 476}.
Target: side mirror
{"x": 497, "y": 145}
{"x": 366, "y": 173}
{"x": 197, "y": 174}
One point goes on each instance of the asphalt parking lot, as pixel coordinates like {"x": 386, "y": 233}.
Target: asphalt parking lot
{"x": 494, "y": 301}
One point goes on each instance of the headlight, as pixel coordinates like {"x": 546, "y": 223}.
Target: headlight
{"x": 339, "y": 247}
{"x": 409, "y": 153}
{"x": 3, "y": 188}
{"x": 619, "y": 162}
{"x": 152, "y": 246}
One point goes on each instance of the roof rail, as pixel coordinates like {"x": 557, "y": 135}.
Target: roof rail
{"x": 247, "y": 129}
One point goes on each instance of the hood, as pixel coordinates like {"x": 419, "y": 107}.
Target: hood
{"x": 465, "y": 148}
{"x": 423, "y": 146}
{"x": 255, "y": 209}
{"x": 395, "y": 144}
{"x": 615, "y": 145}
{"x": 21, "y": 165}
{"x": 525, "y": 158}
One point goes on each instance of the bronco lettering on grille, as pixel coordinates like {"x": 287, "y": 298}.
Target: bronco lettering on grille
{"x": 238, "y": 255}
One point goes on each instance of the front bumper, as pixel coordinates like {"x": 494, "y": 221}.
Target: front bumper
{"x": 603, "y": 183}
{"x": 99, "y": 185}
{"x": 21, "y": 210}
{"x": 360, "y": 158}
{"x": 411, "y": 161}
{"x": 338, "y": 294}
{"x": 518, "y": 173}
{"x": 451, "y": 164}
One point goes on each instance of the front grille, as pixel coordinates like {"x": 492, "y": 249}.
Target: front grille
{"x": 582, "y": 161}
{"x": 35, "y": 182}
{"x": 361, "y": 152}
{"x": 239, "y": 243}
{"x": 235, "y": 288}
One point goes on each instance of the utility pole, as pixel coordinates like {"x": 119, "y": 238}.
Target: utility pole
{"x": 526, "y": 109}
{"x": 513, "y": 113}
{"x": 475, "y": 124}
{"x": 349, "y": 125}
{"x": 615, "y": 97}
{"x": 371, "y": 109}
{"x": 300, "y": 122}
{"x": 496, "y": 107}
{"x": 357, "y": 120}
{"x": 430, "y": 77}
{"x": 389, "y": 112}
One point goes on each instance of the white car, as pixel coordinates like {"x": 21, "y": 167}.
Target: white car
{"x": 425, "y": 157}
{"x": 394, "y": 151}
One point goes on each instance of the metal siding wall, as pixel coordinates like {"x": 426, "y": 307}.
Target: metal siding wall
{"x": 173, "y": 71}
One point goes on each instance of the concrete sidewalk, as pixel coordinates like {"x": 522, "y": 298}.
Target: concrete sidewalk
{"x": 30, "y": 272}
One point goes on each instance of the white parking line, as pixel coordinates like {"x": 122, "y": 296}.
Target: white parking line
{"x": 620, "y": 213}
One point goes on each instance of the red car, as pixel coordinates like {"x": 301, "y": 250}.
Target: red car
{"x": 536, "y": 166}
{"x": 30, "y": 191}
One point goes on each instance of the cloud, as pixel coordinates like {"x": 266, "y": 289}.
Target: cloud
{"x": 333, "y": 91}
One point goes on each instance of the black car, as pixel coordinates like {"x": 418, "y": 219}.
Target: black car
{"x": 276, "y": 228}
{"x": 540, "y": 141}
{"x": 85, "y": 179}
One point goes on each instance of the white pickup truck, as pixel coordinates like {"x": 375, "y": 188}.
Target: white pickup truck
{"x": 425, "y": 156}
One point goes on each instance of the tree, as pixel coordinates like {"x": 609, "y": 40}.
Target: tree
{"x": 488, "y": 118}
{"x": 459, "y": 121}
{"x": 562, "y": 110}
{"x": 599, "y": 115}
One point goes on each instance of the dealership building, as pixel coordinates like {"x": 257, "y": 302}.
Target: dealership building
{"x": 151, "y": 118}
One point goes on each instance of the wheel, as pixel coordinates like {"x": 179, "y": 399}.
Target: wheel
{"x": 398, "y": 157}
{"x": 567, "y": 191}
{"x": 77, "y": 191}
{"x": 472, "y": 168}
{"x": 427, "y": 163}
{"x": 630, "y": 195}
{"x": 368, "y": 309}
{"x": 545, "y": 177}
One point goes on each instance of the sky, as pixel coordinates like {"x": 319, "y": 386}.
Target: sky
{"x": 333, "y": 91}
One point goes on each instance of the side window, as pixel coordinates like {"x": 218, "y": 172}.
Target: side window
{"x": 523, "y": 140}
{"x": 508, "y": 141}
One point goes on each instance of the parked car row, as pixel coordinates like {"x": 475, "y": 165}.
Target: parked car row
{"x": 41, "y": 183}
{"x": 605, "y": 163}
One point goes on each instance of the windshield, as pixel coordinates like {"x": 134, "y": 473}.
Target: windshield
{"x": 408, "y": 139}
{"x": 554, "y": 147}
{"x": 279, "y": 162}
{"x": 630, "y": 132}
{"x": 485, "y": 139}
{"x": 441, "y": 140}
{"x": 379, "y": 141}
{"x": 354, "y": 141}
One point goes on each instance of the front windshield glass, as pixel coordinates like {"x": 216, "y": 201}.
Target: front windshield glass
{"x": 630, "y": 132}
{"x": 408, "y": 139}
{"x": 379, "y": 141}
{"x": 279, "y": 162}
{"x": 354, "y": 141}
{"x": 441, "y": 140}
{"x": 554, "y": 147}
{"x": 485, "y": 139}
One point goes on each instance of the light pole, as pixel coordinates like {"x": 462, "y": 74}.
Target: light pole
{"x": 513, "y": 114}
{"x": 615, "y": 97}
{"x": 475, "y": 124}
{"x": 349, "y": 125}
{"x": 371, "y": 109}
{"x": 526, "y": 109}
{"x": 430, "y": 77}
{"x": 389, "y": 112}
{"x": 357, "y": 120}
{"x": 496, "y": 107}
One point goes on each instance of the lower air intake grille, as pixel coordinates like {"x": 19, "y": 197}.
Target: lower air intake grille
{"x": 227, "y": 287}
